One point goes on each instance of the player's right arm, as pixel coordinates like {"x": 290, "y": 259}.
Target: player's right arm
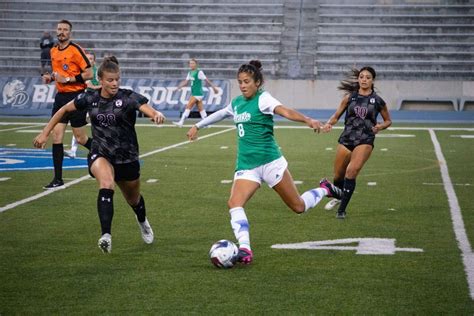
{"x": 42, "y": 138}
{"x": 335, "y": 117}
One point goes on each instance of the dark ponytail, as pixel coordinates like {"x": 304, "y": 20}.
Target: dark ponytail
{"x": 351, "y": 84}
{"x": 253, "y": 68}
{"x": 109, "y": 64}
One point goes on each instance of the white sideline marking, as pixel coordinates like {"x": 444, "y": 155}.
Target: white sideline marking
{"x": 4, "y": 179}
{"x": 394, "y": 135}
{"x": 226, "y": 181}
{"x": 297, "y": 182}
{"x": 16, "y": 128}
{"x": 463, "y": 136}
{"x": 37, "y": 131}
{"x": 78, "y": 180}
{"x": 456, "y": 216}
{"x": 151, "y": 180}
{"x": 457, "y": 184}
{"x": 371, "y": 183}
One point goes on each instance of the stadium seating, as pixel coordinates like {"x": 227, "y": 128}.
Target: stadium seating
{"x": 296, "y": 39}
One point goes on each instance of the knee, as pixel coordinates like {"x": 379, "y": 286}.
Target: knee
{"x": 351, "y": 173}
{"x": 107, "y": 183}
{"x": 298, "y": 206}
{"x": 82, "y": 139}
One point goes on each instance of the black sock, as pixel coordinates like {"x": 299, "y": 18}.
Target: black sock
{"x": 88, "y": 143}
{"x": 105, "y": 208}
{"x": 140, "y": 210}
{"x": 339, "y": 183}
{"x": 349, "y": 186}
{"x": 58, "y": 157}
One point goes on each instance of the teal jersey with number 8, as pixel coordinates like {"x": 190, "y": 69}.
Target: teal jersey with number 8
{"x": 254, "y": 121}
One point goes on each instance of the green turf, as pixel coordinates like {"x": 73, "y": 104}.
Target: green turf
{"x": 50, "y": 264}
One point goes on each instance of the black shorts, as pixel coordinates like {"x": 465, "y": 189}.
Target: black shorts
{"x": 77, "y": 118}
{"x": 122, "y": 172}
{"x": 351, "y": 147}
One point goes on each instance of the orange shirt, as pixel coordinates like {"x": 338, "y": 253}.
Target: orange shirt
{"x": 69, "y": 62}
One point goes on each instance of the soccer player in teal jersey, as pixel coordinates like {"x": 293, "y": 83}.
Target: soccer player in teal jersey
{"x": 196, "y": 76}
{"x": 259, "y": 157}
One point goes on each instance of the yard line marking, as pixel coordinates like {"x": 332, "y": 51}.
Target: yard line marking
{"x": 78, "y": 180}
{"x": 456, "y": 216}
{"x": 16, "y": 128}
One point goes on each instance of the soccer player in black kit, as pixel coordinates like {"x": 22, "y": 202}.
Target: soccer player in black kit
{"x": 362, "y": 106}
{"x": 114, "y": 152}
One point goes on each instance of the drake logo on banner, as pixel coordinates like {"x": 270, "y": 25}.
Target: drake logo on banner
{"x": 14, "y": 94}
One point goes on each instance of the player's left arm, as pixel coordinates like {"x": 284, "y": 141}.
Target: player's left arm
{"x": 296, "y": 116}
{"x": 42, "y": 138}
{"x": 155, "y": 116}
{"x": 387, "y": 121}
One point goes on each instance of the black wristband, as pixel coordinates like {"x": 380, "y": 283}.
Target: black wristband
{"x": 79, "y": 78}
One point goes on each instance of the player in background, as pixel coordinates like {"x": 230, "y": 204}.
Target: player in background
{"x": 113, "y": 158}
{"x": 71, "y": 69}
{"x": 362, "y": 106}
{"x": 195, "y": 75}
{"x": 92, "y": 84}
{"x": 258, "y": 155}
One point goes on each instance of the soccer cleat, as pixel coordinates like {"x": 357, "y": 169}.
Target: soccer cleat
{"x": 147, "y": 232}
{"x": 179, "y": 124}
{"x": 56, "y": 183}
{"x": 331, "y": 189}
{"x": 341, "y": 214}
{"x": 69, "y": 153}
{"x": 332, "y": 204}
{"x": 105, "y": 243}
{"x": 245, "y": 256}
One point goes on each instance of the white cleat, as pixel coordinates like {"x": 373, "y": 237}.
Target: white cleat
{"x": 105, "y": 243}
{"x": 69, "y": 153}
{"x": 179, "y": 124}
{"x": 147, "y": 232}
{"x": 332, "y": 204}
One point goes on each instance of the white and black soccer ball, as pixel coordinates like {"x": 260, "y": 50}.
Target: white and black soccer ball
{"x": 223, "y": 254}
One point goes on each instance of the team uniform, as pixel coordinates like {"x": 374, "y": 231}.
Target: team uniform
{"x": 115, "y": 139}
{"x": 69, "y": 62}
{"x": 113, "y": 129}
{"x": 258, "y": 156}
{"x": 361, "y": 116}
{"x": 196, "y": 76}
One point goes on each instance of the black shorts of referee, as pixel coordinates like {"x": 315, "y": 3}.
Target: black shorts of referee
{"x": 77, "y": 118}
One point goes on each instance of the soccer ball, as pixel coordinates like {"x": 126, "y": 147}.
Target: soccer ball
{"x": 223, "y": 254}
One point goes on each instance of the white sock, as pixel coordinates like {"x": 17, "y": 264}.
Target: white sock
{"x": 74, "y": 145}
{"x": 203, "y": 114}
{"x": 185, "y": 115}
{"x": 312, "y": 197}
{"x": 240, "y": 226}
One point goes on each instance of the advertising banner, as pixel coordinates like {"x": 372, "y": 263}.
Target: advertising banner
{"x": 29, "y": 96}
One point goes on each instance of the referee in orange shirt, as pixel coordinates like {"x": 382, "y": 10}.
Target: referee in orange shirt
{"x": 71, "y": 69}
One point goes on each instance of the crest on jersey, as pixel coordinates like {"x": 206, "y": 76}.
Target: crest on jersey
{"x": 372, "y": 100}
{"x": 65, "y": 67}
{"x": 118, "y": 103}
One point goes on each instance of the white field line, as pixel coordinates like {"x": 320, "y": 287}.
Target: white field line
{"x": 78, "y": 180}
{"x": 17, "y": 128}
{"x": 456, "y": 216}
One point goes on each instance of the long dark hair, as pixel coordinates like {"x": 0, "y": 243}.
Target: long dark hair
{"x": 254, "y": 69}
{"x": 350, "y": 83}
{"x": 109, "y": 64}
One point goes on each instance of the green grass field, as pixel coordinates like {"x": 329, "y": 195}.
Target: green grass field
{"x": 50, "y": 262}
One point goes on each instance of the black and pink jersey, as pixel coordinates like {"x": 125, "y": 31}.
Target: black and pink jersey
{"x": 361, "y": 116}
{"x": 113, "y": 123}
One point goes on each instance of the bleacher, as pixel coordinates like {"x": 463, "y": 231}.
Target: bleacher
{"x": 149, "y": 38}
{"x": 401, "y": 39}
{"x": 295, "y": 39}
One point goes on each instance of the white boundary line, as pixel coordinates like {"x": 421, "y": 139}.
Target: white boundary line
{"x": 456, "y": 216}
{"x": 17, "y": 128}
{"x": 78, "y": 180}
